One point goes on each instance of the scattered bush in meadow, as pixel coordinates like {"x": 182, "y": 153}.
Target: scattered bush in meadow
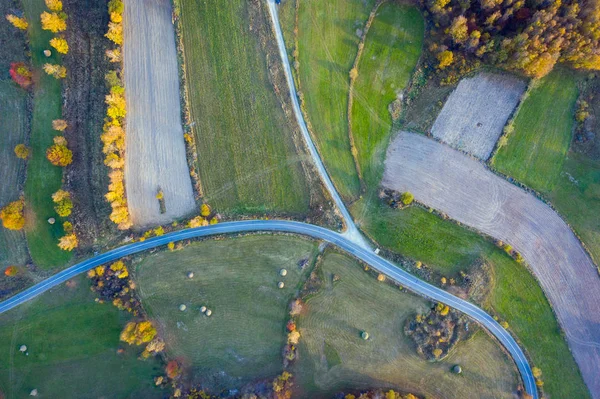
{"x": 17, "y": 22}
{"x": 64, "y": 204}
{"x": 138, "y": 333}
{"x": 12, "y": 215}
{"x": 22, "y": 151}
{"x": 68, "y": 242}
{"x": 20, "y": 74}
{"x": 55, "y": 70}
{"x": 54, "y": 22}
{"x": 59, "y": 155}
{"x": 60, "y": 45}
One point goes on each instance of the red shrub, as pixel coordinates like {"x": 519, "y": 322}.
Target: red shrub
{"x": 21, "y": 74}
{"x": 11, "y": 271}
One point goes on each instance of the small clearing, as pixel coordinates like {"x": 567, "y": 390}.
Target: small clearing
{"x": 469, "y": 193}
{"x": 156, "y": 158}
{"x": 475, "y": 114}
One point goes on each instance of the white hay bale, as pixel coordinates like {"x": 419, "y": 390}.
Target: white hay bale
{"x": 203, "y": 309}
{"x": 281, "y": 284}
{"x": 208, "y": 312}
{"x": 191, "y": 275}
{"x": 23, "y": 348}
{"x": 182, "y": 307}
{"x": 283, "y": 272}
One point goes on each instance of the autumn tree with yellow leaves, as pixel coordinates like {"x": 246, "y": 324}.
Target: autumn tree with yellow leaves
{"x": 55, "y": 70}
{"x": 138, "y": 333}
{"x": 58, "y": 154}
{"x": 21, "y": 151}
{"x": 12, "y": 215}
{"x": 68, "y": 242}
{"x": 17, "y": 22}
{"x": 60, "y": 45}
{"x": 63, "y": 203}
{"x": 54, "y": 22}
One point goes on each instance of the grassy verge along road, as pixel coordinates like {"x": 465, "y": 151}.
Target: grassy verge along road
{"x": 43, "y": 179}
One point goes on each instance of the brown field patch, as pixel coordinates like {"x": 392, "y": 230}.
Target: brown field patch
{"x": 155, "y": 157}
{"x": 468, "y": 192}
{"x": 475, "y": 113}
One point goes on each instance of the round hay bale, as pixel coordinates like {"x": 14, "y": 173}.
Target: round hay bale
{"x": 208, "y": 312}
{"x": 457, "y": 369}
{"x": 34, "y": 392}
{"x": 280, "y": 284}
{"x": 23, "y": 348}
{"x": 47, "y": 53}
{"x": 191, "y": 275}
{"x": 283, "y": 272}
{"x": 51, "y": 220}
{"x": 182, "y": 307}
{"x": 364, "y": 335}
{"x": 203, "y": 309}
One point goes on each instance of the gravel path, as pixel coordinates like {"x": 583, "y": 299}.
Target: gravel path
{"x": 475, "y": 114}
{"x": 155, "y": 149}
{"x": 467, "y": 191}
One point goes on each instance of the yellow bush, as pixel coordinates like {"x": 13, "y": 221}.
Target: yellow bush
{"x": 114, "y": 55}
{"x": 19, "y": 23}
{"x": 21, "y": 151}
{"x": 54, "y": 5}
{"x": 57, "y": 71}
{"x": 120, "y": 268}
{"x": 64, "y": 204}
{"x": 60, "y": 45}
{"x": 115, "y": 33}
{"x": 138, "y": 333}
{"x": 12, "y": 215}
{"x": 116, "y": 17}
{"x": 53, "y": 22}
{"x": 205, "y": 210}
{"x": 59, "y": 124}
{"x": 68, "y": 242}
{"x": 114, "y": 161}
{"x": 59, "y": 155}
{"x": 171, "y": 246}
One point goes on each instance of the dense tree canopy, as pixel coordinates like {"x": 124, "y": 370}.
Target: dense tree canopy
{"x": 529, "y": 36}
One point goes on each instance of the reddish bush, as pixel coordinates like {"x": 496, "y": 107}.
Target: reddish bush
{"x": 291, "y": 326}
{"x": 173, "y": 369}
{"x": 11, "y": 271}
{"x": 21, "y": 74}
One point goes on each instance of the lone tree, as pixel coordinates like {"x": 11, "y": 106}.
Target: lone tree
{"x": 64, "y": 204}
{"x": 407, "y": 198}
{"x": 58, "y": 154}
{"x": 12, "y": 215}
{"x": 21, "y": 151}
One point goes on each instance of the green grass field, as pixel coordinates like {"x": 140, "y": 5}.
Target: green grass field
{"x": 515, "y": 297}
{"x": 247, "y": 159}
{"x": 392, "y": 49}
{"x": 537, "y": 148}
{"x": 13, "y": 131}
{"x": 328, "y": 35}
{"x": 237, "y": 279}
{"x": 333, "y": 356}
{"x": 72, "y": 344}
{"x": 43, "y": 179}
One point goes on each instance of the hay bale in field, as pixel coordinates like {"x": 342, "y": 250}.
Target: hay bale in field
{"x": 476, "y": 112}
{"x": 283, "y": 272}
{"x": 202, "y": 309}
{"x": 182, "y": 307}
{"x": 208, "y": 312}
{"x": 280, "y": 284}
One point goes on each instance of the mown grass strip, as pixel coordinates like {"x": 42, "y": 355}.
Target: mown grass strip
{"x": 391, "y": 51}
{"x": 43, "y": 179}
{"x": 543, "y": 126}
{"x": 247, "y": 159}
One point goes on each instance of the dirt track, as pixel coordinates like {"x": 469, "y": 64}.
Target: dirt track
{"x": 477, "y": 110}
{"x": 463, "y": 188}
{"x": 155, "y": 151}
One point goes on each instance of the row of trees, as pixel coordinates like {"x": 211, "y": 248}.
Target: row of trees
{"x": 528, "y": 36}
{"x": 113, "y": 136}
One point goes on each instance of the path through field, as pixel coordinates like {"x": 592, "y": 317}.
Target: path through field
{"x": 156, "y": 156}
{"x": 468, "y": 192}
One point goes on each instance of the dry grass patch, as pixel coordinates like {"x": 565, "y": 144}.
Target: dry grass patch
{"x": 475, "y": 113}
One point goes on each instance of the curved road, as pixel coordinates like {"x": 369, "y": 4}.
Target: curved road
{"x": 365, "y": 255}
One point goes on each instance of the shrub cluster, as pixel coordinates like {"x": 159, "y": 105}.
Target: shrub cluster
{"x": 113, "y": 136}
{"x": 378, "y": 394}
{"x": 12, "y": 215}
{"x": 112, "y": 283}
{"x": 20, "y": 74}
{"x": 55, "y": 21}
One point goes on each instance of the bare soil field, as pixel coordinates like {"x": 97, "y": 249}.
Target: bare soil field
{"x": 469, "y": 193}
{"x": 155, "y": 157}
{"x": 475, "y": 114}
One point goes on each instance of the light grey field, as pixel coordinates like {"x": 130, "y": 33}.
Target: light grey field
{"x": 474, "y": 115}
{"x": 155, "y": 151}
{"x": 468, "y": 192}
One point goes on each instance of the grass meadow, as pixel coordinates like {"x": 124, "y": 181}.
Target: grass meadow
{"x": 391, "y": 51}
{"x": 333, "y": 356}
{"x": 13, "y": 131}
{"x": 515, "y": 295}
{"x": 72, "y": 347}
{"x": 43, "y": 179}
{"x": 328, "y": 37}
{"x": 248, "y": 162}
{"x": 237, "y": 279}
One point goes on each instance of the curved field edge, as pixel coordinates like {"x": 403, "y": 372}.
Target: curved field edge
{"x": 328, "y": 37}
{"x": 43, "y": 179}
{"x": 247, "y": 158}
{"x": 334, "y": 357}
{"x": 391, "y": 51}
{"x": 71, "y": 338}
{"x": 538, "y": 155}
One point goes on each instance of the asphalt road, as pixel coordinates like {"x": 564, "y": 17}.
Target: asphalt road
{"x": 376, "y": 262}
{"x": 351, "y": 232}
